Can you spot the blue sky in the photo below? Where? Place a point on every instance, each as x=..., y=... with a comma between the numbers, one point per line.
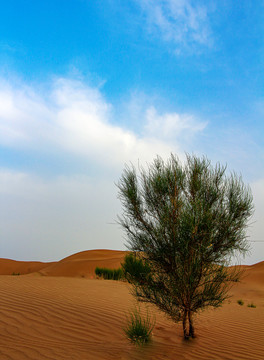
x=88, y=86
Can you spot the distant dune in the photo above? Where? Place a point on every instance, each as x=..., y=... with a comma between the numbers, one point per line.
x=82, y=264
x=9, y=267
x=60, y=311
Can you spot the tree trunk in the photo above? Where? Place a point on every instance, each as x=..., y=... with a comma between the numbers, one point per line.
x=191, y=327
x=184, y=325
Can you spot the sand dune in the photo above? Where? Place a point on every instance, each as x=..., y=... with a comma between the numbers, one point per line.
x=82, y=264
x=9, y=267
x=64, y=317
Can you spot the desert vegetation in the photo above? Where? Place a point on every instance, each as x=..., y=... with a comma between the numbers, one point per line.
x=183, y=223
x=109, y=274
x=138, y=329
x=251, y=305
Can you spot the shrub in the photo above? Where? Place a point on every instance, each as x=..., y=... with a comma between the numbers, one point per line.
x=109, y=274
x=134, y=268
x=98, y=271
x=181, y=220
x=118, y=274
x=251, y=305
x=240, y=302
x=15, y=274
x=138, y=329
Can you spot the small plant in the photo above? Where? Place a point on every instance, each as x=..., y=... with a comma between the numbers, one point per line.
x=251, y=305
x=240, y=302
x=15, y=274
x=109, y=274
x=138, y=329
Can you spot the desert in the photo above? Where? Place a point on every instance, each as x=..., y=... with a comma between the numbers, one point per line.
x=131, y=169
x=60, y=310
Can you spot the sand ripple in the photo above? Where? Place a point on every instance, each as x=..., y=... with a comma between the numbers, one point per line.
x=44, y=317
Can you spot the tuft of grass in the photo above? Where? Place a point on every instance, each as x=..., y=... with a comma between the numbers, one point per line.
x=251, y=305
x=138, y=330
x=15, y=274
x=240, y=302
x=109, y=274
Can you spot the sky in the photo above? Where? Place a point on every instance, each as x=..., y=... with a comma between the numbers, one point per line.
x=87, y=87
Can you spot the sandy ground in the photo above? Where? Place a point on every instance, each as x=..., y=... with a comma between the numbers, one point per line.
x=60, y=311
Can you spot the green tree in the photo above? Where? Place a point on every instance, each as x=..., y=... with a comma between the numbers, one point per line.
x=184, y=223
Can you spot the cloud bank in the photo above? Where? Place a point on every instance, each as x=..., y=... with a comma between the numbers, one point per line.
x=75, y=118
x=48, y=216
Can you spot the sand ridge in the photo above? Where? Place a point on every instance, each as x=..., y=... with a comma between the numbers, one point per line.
x=9, y=267
x=82, y=264
x=70, y=317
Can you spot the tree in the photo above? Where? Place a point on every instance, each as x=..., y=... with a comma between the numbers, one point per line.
x=184, y=223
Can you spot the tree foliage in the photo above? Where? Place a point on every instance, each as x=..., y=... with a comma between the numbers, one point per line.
x=183, y=223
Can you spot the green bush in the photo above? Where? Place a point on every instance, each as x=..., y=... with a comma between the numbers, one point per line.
x=109, y=274
x=138, y=329
x=251, y=305
x=15, y=274
x=135, y=268
x=240, y=302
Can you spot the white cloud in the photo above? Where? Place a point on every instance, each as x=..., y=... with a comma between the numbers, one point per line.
x=24, y=116
x=74, y=118
x=172, y=125
x=182, y=22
